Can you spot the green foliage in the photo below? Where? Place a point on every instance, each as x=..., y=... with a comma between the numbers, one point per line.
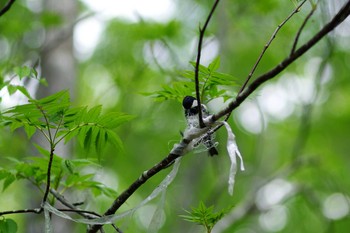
x=22, y=72
x=54, y=117
x=56, y=120
x=204, y=216
x=65, y=173
x=7, y=225
x=213, y=84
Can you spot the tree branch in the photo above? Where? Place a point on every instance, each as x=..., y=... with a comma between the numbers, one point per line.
x=342, y=14
x=48, y=181
x=196, y=70
x=273, y=36
x=24, y=211
x=314, y=7
x=177, y=152
x=6, y=7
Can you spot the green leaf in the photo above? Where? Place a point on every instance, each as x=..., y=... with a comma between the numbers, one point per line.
x=68, y=166
x=22, y=72
x=109, y=192
x=24, y=91
x=114, y=119
x=82, y=135
x=202, y=69
x=93, y=114
x=11, y=89
x=59, y=97
x=83, y=162
x=87, y=139
x=43, y=82
x=30, y=130
x=204, y=216
x=8, y=225
x=115, y=140
x=214, y=65
x=8, y=181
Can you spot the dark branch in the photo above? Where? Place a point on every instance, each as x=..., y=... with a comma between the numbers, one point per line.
x=6, y=7
x=337, y=19
x=48, y=181
x=24, y=211
x=121, y=199
x=196, y=70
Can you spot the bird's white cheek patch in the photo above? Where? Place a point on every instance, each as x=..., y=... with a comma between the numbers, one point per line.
x=194, y=104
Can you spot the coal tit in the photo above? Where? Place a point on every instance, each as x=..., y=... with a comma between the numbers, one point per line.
x=190, y=105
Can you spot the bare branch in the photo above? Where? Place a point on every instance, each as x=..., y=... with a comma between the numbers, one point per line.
x=342, y=14
x=48, y=180
x=314, y=7
x=196, y=70
x=6, y=7
x=24, y=211
x=273, y=36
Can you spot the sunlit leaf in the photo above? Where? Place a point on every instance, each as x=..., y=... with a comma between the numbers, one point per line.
x=8, y=181
x=30, y=130
x=215, y=64
x=22, y=72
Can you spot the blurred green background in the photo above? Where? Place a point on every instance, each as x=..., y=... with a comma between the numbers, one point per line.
x=293, y=132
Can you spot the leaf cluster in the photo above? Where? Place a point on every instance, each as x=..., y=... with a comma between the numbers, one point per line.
x=21, y=72
x=213, y=84
x=54, y=117
x=65, y=173
x=204, y=216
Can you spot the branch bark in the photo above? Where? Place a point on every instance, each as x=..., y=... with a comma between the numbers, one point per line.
x=6, y=7
x=342, y=14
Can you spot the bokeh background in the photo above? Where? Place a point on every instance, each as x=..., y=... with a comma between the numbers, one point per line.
x=293, y=132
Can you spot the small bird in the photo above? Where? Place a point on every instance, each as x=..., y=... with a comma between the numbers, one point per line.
x=191, y=107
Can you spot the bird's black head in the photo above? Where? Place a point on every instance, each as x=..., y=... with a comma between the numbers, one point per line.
x=187, y=102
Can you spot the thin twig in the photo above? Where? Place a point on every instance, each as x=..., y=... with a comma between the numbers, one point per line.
x=52, y=149
x=273, y=36
x=6, y=7
x=196, y=70
x=342, y=14
x=48, y=180
x=24, y=211
x=313, y=9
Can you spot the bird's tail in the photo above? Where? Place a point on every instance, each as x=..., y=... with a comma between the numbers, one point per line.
x=210, y=144
x=213, y=151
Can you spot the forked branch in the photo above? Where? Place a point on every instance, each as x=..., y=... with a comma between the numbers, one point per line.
x=342, y=14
